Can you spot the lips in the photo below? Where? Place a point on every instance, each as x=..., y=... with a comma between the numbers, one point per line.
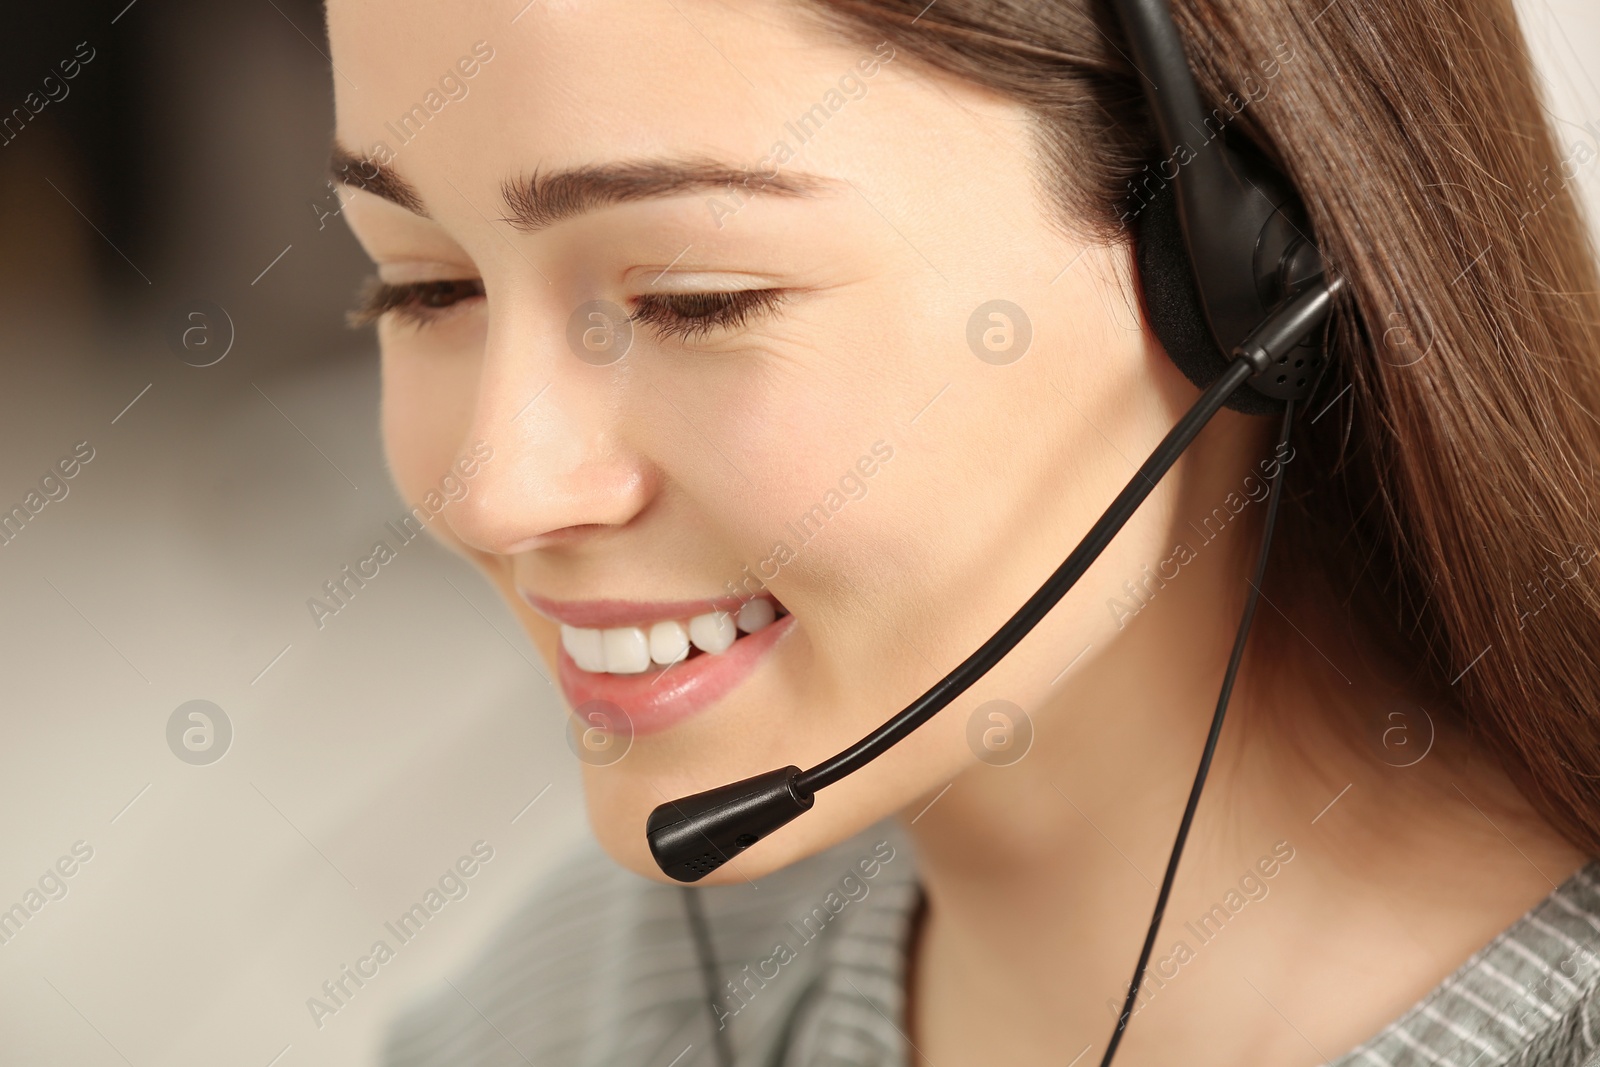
x=659, y=695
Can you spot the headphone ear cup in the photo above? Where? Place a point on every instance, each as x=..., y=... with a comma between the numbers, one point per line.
x=1172, y=302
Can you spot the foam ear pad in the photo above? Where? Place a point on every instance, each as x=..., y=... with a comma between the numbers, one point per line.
x=1172, y=302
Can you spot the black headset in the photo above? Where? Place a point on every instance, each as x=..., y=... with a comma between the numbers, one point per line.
x=1226, y=265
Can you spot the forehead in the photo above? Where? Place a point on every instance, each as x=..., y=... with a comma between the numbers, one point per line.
x=563, y=82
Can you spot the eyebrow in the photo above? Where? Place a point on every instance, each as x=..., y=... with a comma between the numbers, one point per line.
x=363, y=172
x=542, y=200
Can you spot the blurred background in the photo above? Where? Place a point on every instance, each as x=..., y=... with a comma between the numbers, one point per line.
x=172, y=289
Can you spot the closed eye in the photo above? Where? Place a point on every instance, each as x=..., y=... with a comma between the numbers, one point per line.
x=688, y=316
x=417, y=303
x=685, y=316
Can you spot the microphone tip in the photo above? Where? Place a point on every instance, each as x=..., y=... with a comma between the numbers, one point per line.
x=692, y=837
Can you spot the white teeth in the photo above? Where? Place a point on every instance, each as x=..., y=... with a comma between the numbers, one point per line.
x=756, y=615
x=712, y=632
x=669, y=643
x=633, y=649
x=585, y=648
x=627, y=651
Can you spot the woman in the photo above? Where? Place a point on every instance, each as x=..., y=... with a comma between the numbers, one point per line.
x=786, y=347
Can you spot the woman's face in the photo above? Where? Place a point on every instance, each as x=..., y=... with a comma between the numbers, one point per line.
x=819, y=408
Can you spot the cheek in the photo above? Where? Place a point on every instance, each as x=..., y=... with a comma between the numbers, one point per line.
x=771, y=462
x=428, y=400
x=778, y=430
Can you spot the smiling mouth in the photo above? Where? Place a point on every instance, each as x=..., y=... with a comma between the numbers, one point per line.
x=657, y=645
x=661, y=662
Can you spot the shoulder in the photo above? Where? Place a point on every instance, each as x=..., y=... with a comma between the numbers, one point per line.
x=554, y=952
x=600, y=965
x=1529, y=998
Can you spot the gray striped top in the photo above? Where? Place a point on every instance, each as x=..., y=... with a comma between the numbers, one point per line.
x=600, y=967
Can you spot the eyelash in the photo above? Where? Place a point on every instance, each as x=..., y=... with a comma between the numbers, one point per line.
x=689, y=316
x=686, y=316
x=415, y=303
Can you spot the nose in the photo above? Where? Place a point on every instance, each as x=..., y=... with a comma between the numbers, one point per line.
x=558, y=464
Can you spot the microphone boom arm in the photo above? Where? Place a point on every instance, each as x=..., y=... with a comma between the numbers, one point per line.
x=692, y=837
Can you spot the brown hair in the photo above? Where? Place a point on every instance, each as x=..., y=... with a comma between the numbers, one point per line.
x=1456, y=492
